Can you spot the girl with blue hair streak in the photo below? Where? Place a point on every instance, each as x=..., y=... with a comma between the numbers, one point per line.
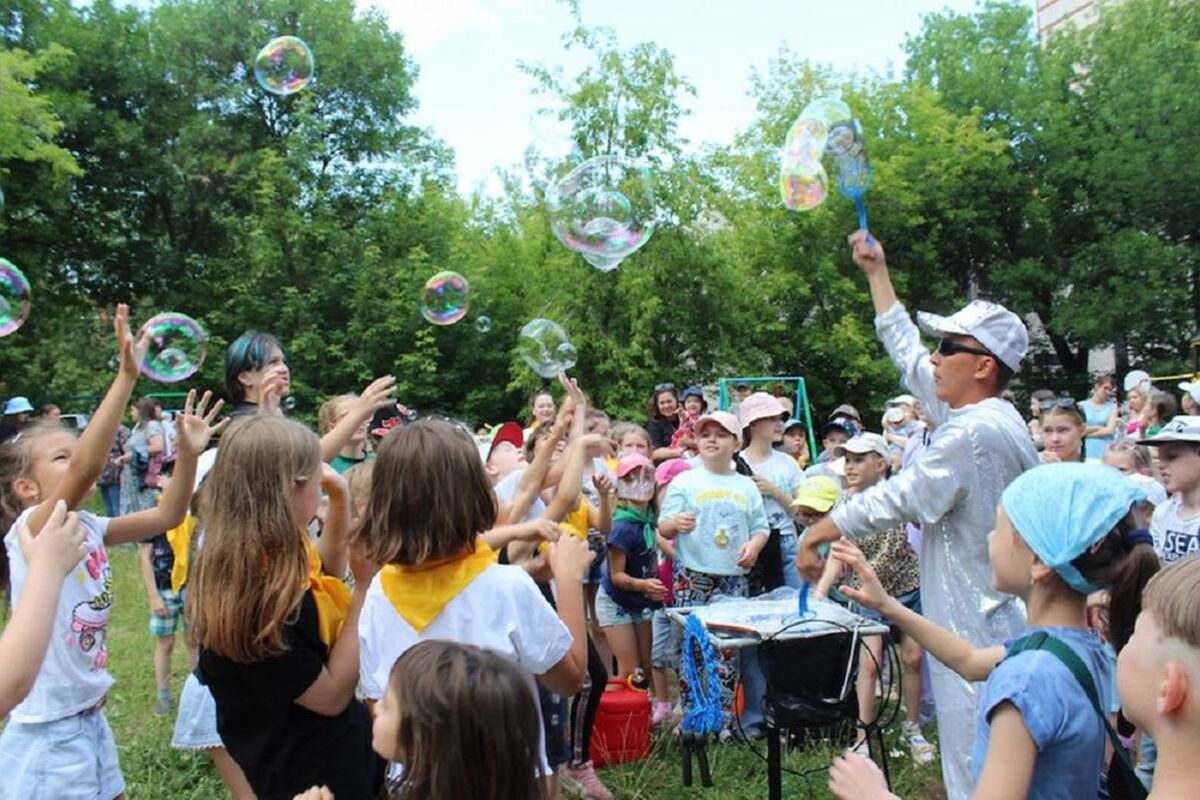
x=1062, y=532
x=256, y=373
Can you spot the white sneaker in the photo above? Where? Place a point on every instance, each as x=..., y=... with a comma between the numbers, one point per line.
x=923, y=751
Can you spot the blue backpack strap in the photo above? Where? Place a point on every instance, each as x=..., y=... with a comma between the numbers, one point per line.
x=1083, y=676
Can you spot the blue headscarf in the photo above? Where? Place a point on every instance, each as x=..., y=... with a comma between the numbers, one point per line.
x=1061, y=510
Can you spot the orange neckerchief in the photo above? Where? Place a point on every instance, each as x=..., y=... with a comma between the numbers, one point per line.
x=331, y=595
x=420, y=592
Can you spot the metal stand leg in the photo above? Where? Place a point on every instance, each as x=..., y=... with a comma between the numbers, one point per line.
x=774, y=763
x=702, y=752
x=685, y=748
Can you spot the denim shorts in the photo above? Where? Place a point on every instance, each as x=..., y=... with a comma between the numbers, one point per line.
x=664, y=642
x=74, y=758
x=196, y=721
x=166, y=626
x=610, y=613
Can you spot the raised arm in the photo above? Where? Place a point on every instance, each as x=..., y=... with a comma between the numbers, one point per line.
x=378, y=394
x=332, y=546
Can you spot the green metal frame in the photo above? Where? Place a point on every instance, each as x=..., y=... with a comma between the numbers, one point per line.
x=801, y=399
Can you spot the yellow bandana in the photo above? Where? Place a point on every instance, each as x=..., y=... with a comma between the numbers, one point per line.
x=180, y=539
x=577, y=521
x=419, y=593
x=331, y=595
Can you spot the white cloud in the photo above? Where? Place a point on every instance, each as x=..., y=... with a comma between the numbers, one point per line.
x=428, y=23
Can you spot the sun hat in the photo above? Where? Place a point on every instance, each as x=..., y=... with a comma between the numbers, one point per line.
x=18, y=405
x=509, y=432
x=846, y=410
x=631, y=461
x=1134, y=379
x=865, y=442
x=1179, y=429
x=723, y=418
x=694, y=391
x=1156, y=493
x=902, y=400
x=759, y=405
x=991, y=324
x=1062, y=510
x=1192, y=388
x=818, y=493
x=667, y=470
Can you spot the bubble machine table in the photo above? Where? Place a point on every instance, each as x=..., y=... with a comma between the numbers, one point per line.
x=810, y=655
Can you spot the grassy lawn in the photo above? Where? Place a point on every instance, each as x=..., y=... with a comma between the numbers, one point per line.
x=154, y=770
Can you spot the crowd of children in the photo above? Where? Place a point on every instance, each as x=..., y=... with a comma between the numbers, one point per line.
x=402, y=608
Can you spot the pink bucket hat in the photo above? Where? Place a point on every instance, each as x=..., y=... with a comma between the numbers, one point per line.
x=632, y=461
x=668, y=469
x=760, y=405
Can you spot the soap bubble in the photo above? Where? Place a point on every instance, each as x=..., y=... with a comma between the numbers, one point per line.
x=604, y=207
x=853, y=175
x=803, y=187
x=177, y=347
x=805, y=142
x=284, y=66
x=845, y=139
x=14, y=297
x=987, y=45
x=602, y=263
x=544, y=346
x=444, y=300
x=1, y=199
x=483, y=324
x=828, y=111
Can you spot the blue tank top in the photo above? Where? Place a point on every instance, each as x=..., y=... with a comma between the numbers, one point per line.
x=1095, y=416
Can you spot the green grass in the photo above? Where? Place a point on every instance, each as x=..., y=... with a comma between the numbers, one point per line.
x=153, y=769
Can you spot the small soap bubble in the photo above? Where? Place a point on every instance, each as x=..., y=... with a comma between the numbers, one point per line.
x=987, y=45
x=603, y=208
x=544, y=346
x=444, y=300
x=284, y=66
x=1, y=199
x=483, y=324
x=177, y=346
x=288, y=403
x=15, y=299
x=803, y=187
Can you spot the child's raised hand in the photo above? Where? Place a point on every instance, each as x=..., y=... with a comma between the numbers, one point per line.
x=274, y=385
x=332, y=482
x=604, y=486
x=856, y=777
x=194, y=428
x=59, y=546
x=362, y=568
x=871, y=594
x=539, y=530
x=379, y=393
x=653, y=588
x=686, y=522
x=132, y=352
x=570, y=559
x=600, y=442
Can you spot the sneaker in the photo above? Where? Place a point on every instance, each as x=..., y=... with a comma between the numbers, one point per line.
x=660, y=713
x=162, y=706
x=923, y=751
x=584, y=781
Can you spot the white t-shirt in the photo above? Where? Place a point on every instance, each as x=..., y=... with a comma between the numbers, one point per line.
x=783, y=471
x=506, y=489
x=1175, y=536
x=74, y=675
x=501, y=610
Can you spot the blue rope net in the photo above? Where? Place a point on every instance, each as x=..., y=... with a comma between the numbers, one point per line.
x=699, y=662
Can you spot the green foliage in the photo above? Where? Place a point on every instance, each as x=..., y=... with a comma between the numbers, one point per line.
x=141, y=163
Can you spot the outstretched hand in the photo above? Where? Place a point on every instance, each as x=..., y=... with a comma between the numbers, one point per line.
x=871, y=592
x=867, y=253
x=194, y=428
x=133, y=352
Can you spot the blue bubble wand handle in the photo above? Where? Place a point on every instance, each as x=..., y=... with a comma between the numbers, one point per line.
x=854, y=177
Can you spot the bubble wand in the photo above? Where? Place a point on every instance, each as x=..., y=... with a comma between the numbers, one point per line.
x=854, y=173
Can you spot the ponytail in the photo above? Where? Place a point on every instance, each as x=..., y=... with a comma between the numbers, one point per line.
x=1124, y=561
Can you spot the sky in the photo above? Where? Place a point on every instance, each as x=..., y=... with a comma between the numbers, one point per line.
x=473, y=97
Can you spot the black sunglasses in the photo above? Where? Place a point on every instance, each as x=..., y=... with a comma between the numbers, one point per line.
x=1056, y=402
x=949, y=347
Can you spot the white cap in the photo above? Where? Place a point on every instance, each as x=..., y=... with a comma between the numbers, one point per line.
x=892, y=416
x=1192, y=388
x=866, y=442
x=1135, y=379
x=991, y=324
x=1179, y=429
x=204, y=465
x=1156, y=493
x=902, y=400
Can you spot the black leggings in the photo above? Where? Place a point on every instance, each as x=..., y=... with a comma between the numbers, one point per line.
x=584, y=705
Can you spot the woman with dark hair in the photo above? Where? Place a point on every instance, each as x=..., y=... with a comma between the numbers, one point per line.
x=662, y=419
x=1100, y=414
x=256, y=373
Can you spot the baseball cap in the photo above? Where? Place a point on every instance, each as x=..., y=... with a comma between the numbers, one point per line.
x=1192, y=388
x=866, y=442
x=902, y=400
x=792, y=423
x=388, y=417
x=1135, y=378
x=759, y=405
x=1179, y=429
x=991, y=324
x=668, y=469
x=842, y=425
x=724, y=419
x=509, y=432
x=18, y=405
x=846, y=410
x=818, y=493
x=631, y=461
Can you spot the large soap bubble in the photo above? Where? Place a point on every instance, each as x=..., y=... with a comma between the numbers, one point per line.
x=828, y=111
x=603, y=210
x=444, y=300
x=15, y=298
x=544, y=346
x=825, y=126
x=177, y=346
x=284, y=66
